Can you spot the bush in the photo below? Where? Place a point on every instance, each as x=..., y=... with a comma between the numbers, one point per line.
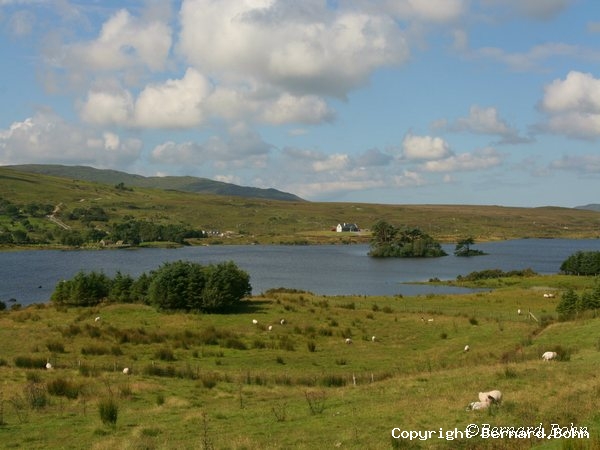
x=85, y=289
x=109, y=411
x=61, y=387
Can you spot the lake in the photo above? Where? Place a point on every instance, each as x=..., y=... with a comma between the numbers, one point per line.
x=30, y=276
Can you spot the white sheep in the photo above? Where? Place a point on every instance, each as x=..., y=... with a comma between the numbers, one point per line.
x=494, y=396
x=282, y=321
x=254, y=321
x=430, y=320
x=48, y=366
x=474, y=406
x=373, y=338
x=348, y=341
x=467, y=348
x=519, y=311
x=270, y=327
x=547, y=356
x=97, y=319
x=126, y=370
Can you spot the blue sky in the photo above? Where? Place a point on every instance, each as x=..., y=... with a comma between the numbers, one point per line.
x=492, y=102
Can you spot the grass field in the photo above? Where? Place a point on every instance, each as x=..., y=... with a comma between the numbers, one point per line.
x=223, y=382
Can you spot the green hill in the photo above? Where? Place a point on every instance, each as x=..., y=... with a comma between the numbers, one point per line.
x=183, y=183
x=27, y=199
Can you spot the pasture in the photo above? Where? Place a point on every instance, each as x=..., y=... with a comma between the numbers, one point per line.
x=224, y=382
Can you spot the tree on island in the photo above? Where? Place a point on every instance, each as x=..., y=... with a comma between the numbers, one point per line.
x=463, y=248
x=390, y=241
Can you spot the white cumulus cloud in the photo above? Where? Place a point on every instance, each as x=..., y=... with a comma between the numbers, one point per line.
x=424, y=147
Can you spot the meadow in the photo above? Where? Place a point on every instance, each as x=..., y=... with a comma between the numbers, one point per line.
x=224, y=382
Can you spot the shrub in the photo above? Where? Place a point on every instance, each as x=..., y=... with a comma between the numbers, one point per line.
x=109, y=411
x=30, y=362
x=55, y=346
x=312, y=346
x=61, y=387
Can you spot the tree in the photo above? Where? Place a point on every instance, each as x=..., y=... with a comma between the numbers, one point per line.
x=582, y=263
x=567, y=306
x=463, y=248
x=85, y=289
x=226, y=285
x=191, y=287
x=389, y=241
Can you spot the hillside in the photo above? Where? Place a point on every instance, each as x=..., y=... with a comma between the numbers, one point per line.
x=183, y=183
x=258, y=220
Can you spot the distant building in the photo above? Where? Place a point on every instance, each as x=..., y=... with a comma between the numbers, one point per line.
x=346, y=227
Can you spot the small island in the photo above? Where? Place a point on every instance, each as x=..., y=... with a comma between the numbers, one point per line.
x=463, y=248
x=390, y=241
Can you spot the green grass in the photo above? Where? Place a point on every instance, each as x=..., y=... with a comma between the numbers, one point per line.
x=220, y=381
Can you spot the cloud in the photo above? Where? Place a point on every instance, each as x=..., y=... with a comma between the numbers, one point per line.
x=124, y=41
x=304, y=48
x=288, y=108
x=485, y=121
x=435, y=11
x=532, y=9
x=424, y=147
x=535, y=57
x=21, y=23
x=579, y=164
x=479, y=160
x=46, y=137
x=174, y=103
x=242, y=147
x=573, y=106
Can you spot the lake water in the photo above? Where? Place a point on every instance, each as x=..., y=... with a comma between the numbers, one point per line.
x=30, y=276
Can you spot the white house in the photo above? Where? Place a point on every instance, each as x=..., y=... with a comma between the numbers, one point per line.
x=346, y=227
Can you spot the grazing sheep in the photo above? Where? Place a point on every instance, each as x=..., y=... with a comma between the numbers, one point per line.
x=547, y=356
x=467, y=348
x=282, y=321
x=254, y=321
x=474, y=406
x=430, y=320
x=126, y=370
x=519, y=311
x=548, y=295
x=270, y=327
x=97, y=319
x=348, y=341
x=373, y=338
x=494, y=396
x=48, y=366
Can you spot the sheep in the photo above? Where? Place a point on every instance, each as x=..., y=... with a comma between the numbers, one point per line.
x=254, y=321
x=547, y=356
x=282, y=321
x=373, y=338
x=494, y=396
x=48, y=365
x=467, y=348
x=348, y=341
x=548, y=295
x=474, y=406
x=126, y=370
x=270, y=327
x=97, y=319
x=519, y=311
x=430, y=320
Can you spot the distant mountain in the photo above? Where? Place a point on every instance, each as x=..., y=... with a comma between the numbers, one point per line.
x=181, y=183
x=590, y=207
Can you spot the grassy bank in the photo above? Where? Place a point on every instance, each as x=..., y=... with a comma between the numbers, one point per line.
x=221, y=381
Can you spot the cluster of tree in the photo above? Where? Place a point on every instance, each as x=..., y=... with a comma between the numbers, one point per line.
x=463, y=248
x=180, y=285
x=495, y=273
x=13, y=211
x=390, y=241
x=571, y=304
x=93, y=213
x=582, y=263
x=134, y=232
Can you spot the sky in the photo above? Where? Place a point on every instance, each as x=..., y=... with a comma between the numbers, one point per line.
x=481, y=102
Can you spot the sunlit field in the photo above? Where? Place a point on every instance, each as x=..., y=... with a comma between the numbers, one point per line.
x=225, y=382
